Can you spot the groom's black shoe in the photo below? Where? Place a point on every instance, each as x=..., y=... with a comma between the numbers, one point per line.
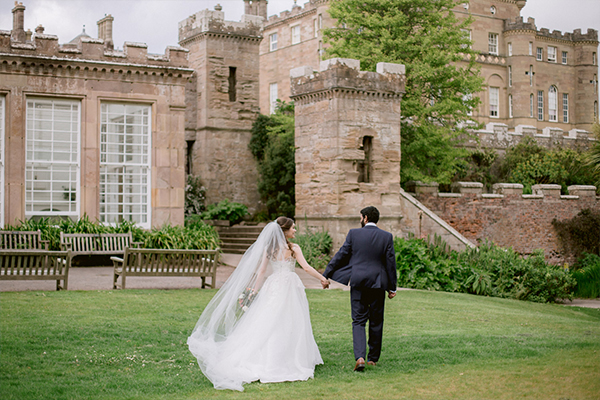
x=360, y=364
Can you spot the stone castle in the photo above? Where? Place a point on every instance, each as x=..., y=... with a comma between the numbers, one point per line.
x=87, y=129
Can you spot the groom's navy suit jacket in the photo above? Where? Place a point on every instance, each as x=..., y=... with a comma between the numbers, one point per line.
x=365, y=260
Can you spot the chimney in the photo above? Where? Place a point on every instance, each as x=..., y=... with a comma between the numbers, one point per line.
x=247, y=7
x=105, y=31
x=39, y=29
x=18, y=31
x=262, y=8
x=28, y=34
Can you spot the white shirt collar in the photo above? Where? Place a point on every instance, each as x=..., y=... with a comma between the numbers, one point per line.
x=370, y=224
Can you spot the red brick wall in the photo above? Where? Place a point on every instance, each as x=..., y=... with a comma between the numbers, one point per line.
x=525, y=224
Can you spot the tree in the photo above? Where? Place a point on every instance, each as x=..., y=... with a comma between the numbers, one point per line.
x=593, y=156
x=272, y=145
x=441, y=73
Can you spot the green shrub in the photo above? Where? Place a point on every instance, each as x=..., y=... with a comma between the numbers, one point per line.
x=421, y=265
x=588, y=277
x=195, y=195
x=512, y=276
x=580, y=234
x=488, y=270
x=315, y=247
x=199, y=236
x=272, y=145
x=226, y=211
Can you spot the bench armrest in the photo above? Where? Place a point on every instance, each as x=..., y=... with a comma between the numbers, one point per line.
x=116, y=261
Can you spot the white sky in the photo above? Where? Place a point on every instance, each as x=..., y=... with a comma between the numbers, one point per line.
x=155, y=22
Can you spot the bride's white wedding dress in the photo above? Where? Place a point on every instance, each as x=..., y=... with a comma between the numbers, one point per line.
x=271, y=342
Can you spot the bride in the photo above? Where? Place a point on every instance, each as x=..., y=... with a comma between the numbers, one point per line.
x=257, y=326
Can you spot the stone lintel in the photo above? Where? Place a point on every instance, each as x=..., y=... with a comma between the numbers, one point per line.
x=306, y=70
x=582, y=190
x=348, y=62
x=389, y=68
x=449, y=195
x=419, y=187
x=507, y=188
x=467, y=187
x=546, y=190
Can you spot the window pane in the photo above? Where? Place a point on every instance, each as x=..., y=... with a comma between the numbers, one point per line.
x=493, y=43
x=494, y=101
x=51, y=159
x=124, y=163
x=1, y=161
x=540, y=105
x=273, y=96
x=552, y=104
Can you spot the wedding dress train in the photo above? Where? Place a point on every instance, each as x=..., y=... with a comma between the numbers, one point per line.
x=271, y=342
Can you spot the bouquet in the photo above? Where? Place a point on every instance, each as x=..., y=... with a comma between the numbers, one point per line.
x=246, y=298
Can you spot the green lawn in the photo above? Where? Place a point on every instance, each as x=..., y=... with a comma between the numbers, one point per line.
x=132, y=345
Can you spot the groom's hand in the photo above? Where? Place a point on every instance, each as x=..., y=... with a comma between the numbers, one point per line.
x=325, y=284
x=391, y=295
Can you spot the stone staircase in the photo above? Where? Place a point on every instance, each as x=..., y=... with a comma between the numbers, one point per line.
x=236, y=239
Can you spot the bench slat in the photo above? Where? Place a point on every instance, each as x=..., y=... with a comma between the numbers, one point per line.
x=159, y=262
x=36, y=264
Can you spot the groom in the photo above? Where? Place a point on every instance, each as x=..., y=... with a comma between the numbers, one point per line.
x=367, y=262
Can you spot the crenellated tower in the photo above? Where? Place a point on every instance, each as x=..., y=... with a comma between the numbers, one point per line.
x=222, y=103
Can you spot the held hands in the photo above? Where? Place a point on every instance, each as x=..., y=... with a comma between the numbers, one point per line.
x=325, y=283
x=391, y=295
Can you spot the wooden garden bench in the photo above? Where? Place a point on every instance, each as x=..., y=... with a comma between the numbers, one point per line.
x=159, y=262
x=107, y=244
x=35, y=265
x=22, y=240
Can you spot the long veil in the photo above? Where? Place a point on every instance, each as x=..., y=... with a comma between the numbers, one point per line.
x=227, y=307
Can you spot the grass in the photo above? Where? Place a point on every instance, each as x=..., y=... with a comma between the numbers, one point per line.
x=132, y=345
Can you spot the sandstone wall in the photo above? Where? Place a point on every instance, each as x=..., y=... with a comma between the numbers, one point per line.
x=90, y=72
x=338, y=110
x=223, y=104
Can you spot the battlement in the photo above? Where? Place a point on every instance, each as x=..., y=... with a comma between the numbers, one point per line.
x=498, y=136
x=575, y=36
x=344, y=75
x=518, y=24
x=296, y=11
x=213, y=21
x=501, y=190
x=40, y=45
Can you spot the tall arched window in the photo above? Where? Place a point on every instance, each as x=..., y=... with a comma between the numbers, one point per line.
x=553, y=104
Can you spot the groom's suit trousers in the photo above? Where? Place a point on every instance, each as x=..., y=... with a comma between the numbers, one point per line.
x=367, y=305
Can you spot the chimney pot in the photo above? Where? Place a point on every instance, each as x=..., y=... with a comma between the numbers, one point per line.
x=18, y=31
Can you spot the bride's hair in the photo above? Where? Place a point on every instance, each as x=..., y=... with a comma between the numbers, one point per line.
x=286, y=224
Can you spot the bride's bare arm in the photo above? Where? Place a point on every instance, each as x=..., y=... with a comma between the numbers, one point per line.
x=261, y=272
x=304, y=264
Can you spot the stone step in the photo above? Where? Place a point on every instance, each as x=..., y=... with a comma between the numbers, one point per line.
x=236, y=239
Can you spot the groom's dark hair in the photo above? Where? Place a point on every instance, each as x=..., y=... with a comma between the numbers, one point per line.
x=371, y=213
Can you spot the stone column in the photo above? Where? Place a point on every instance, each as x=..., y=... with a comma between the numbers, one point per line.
x=347, y=144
